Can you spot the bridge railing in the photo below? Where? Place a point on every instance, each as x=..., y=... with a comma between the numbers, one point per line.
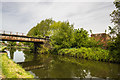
x=12, y=33
x=7, y=35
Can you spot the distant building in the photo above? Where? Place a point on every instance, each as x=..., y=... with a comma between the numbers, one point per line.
x=102, y=37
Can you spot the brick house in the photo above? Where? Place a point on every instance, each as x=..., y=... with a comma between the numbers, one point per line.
x=102, y=37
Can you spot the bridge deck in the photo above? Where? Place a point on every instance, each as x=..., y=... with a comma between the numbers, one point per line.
x=21, y=38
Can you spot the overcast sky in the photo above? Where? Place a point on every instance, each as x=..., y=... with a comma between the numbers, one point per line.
x=21, y=16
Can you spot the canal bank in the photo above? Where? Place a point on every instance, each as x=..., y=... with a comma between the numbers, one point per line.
x=10, y=69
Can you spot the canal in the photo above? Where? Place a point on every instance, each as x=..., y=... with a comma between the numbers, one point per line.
x=55, y=66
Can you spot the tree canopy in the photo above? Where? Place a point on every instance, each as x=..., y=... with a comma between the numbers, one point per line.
x=115, y=19
x=62, y=34
x=115, y=44
x=41, y=29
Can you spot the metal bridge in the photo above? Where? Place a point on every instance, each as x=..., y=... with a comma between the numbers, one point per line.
x=20, y=37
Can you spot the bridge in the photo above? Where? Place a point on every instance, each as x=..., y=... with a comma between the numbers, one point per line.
x=9, y=36
x=21, y=37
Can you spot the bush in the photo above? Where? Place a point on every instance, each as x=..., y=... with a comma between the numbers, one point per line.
x=87, y=53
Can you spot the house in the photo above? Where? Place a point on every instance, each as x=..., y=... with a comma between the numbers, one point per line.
x=102, y=37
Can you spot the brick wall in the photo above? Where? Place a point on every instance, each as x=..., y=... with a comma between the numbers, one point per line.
x=102, y=37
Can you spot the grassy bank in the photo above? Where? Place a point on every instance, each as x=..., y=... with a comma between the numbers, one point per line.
x=97, y=54
x=12, y=70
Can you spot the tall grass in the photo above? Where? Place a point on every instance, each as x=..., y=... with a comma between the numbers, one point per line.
x=12, y=70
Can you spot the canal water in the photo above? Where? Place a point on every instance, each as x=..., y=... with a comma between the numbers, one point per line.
x=55, y=66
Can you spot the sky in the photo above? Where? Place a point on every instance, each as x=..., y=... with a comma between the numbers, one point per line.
x=22, y=15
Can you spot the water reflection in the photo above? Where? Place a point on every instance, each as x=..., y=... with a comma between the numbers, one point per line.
x=12, y=50
x=54, y=66
x=16, y=55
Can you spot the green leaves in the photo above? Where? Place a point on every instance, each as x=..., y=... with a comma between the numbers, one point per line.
x=86, y=53
x=80, y=37
x=42, y=29
x=114, y=45
x=63, y=35
x=116, y=18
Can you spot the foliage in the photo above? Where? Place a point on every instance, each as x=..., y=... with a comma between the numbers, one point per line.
x=3, y=48
x=91, y=42
x=63, y=36
x=10, y=43
x=80, y=38
x=41, y=29
x=87, y=53
x=116, y=18
x=43, y=49
x=114, y=45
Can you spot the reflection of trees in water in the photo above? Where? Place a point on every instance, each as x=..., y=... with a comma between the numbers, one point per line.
x=93, y=68
x=66, y=67
x=28, y=55
x=12, y=50
x=62, y=67
x=33, y=61
x=19, y=49
x=55, y=68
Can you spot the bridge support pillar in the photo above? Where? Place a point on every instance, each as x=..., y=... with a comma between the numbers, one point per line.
x=35, y=47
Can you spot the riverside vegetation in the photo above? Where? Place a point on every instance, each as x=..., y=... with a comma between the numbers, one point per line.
x=97, y=54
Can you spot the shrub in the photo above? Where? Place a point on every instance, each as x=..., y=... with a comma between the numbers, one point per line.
x=87, y=53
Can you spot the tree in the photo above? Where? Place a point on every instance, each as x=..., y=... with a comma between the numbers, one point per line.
x=63, y=36
x=112, y=31
x=116, y=18
x=114, y=46
x=42, y=29
x=11, y=44
x=80, y=37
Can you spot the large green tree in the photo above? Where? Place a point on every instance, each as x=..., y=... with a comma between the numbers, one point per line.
x=42, y=29
x=115, y=19
x=63, y=36
x=115, y=44
x=80, y=37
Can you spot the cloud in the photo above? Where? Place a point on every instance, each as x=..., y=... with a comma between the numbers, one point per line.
x=22, y=16
x=95, y=17
x=0, y=15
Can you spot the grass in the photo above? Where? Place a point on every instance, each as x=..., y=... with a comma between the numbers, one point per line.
x=12, y=70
